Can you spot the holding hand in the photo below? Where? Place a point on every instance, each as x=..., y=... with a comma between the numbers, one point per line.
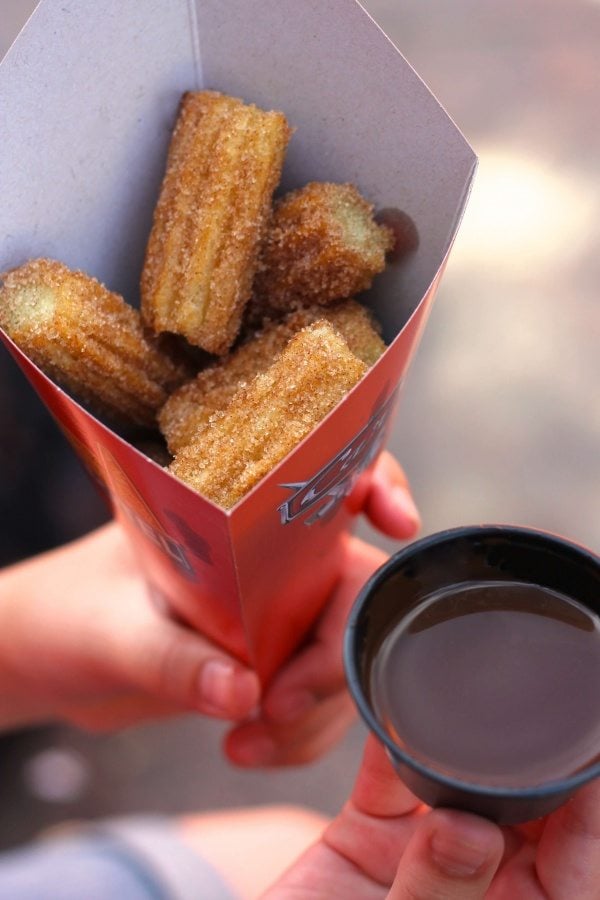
x=80, y=641
x=386, y=844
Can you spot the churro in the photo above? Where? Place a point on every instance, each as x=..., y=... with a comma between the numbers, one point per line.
x=88, y=339
x=322, y=245
x=357, y=326
x=189, y=409
x=264, y=421
x=223, y=165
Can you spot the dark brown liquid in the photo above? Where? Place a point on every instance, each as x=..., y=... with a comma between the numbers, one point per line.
x=496, y=683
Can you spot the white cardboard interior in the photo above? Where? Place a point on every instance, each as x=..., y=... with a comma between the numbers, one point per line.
x=89, y=94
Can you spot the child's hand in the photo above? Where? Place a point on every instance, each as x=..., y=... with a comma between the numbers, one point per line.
x=81, y=641
x=385, y=843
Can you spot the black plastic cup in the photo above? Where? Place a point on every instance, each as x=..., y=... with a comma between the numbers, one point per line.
x=475, y=553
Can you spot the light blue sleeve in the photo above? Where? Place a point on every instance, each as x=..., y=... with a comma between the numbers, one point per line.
x=127, y=859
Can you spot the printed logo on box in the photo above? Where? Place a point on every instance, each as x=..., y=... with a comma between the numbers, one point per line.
x=322, y=494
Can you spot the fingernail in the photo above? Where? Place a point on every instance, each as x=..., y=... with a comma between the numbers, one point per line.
x=228, y=690
x=461, y=851
x=215, y=683
x=259, y=751
x=245, y=697
x=289, y=707
x=402, y=498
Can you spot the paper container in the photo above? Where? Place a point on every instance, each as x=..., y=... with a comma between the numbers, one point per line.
x=88, y=96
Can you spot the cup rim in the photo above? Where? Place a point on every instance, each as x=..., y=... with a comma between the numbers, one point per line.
x=546, y=789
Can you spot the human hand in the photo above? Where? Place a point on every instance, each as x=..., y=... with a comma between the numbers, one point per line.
x=307, y=709
x=386, y=844
x=81, y=641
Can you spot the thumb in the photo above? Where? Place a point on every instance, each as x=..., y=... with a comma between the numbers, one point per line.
x=177, y=666
x=453, y=855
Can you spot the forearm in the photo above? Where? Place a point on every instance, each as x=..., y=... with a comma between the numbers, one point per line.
x=21, y=703
x=46, y=627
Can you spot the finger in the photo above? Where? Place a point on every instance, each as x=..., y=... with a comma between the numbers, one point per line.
x=317, y=671
x=177, y=666
x=378, y=790
x=262, y=743
x=118, y=712
x=451, y=854
x=568, y=859
x=389, y=504
x=378, y=821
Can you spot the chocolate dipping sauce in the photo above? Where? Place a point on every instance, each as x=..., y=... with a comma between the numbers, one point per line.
x=493, y=682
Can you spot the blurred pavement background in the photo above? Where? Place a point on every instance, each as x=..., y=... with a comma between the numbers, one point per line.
x=500, y=416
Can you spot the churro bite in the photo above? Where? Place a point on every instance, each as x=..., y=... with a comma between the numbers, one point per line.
x=322, y=245
x=358, y=327
x=88, y=339
x=216, y=241
x=265, y=420
x=223, y=165
x=188, y=410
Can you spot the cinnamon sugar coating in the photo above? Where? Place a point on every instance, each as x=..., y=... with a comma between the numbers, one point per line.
x=265, y=420
x=322, y=245
x=88, y=339
x=189, y=409
x=223, y=165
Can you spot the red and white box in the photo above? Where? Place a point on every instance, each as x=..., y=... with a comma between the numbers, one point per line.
x=88, y=97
